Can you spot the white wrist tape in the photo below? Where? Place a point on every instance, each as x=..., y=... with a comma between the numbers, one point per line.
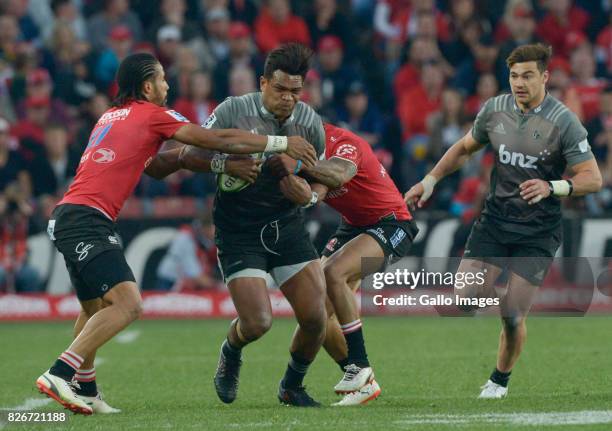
x=561, y=188
x=276, y=144
x=217, y=164
x=314, y=198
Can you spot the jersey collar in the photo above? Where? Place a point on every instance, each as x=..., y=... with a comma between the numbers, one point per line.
x=535, y=110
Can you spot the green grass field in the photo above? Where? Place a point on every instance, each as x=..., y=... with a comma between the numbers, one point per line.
x=430, y=370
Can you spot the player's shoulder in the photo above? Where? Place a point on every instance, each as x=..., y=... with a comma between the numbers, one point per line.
x=339, y=139
x=305, y=116
x=558, y=113
x=500, y=103
x=245, y=105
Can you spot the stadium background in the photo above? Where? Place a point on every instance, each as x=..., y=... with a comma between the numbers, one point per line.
x=407, y=75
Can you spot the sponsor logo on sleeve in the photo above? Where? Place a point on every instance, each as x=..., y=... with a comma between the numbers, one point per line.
x=583, y=146
x=177, y=116
x=347, y=151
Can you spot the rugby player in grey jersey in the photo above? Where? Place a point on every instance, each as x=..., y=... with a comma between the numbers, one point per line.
x=260, y=232
x=535, y=138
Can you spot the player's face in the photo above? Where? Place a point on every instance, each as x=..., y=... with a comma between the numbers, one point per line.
x=528, y=84
x=281, y=93
x=158, y=93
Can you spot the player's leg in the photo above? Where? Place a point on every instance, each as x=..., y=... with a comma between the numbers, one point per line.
x=341, y=269
x=250, y=296
x=480, y=270
x=304, y=287
x=87, y=388
x=515, y=306
x=106, y=275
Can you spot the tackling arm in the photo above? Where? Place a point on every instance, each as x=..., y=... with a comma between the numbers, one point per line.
x=235, y=141
x=331, y=173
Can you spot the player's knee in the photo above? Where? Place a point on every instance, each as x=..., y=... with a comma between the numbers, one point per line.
x=254, y=328
x=314, y=322
x=134, y=310
x=513, y=324
x=335, y=281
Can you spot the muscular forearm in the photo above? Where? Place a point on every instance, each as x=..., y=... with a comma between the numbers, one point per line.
x=164, y=164
x=325, y=172
x=586, y=182
x=197, y=159
x=229, y=141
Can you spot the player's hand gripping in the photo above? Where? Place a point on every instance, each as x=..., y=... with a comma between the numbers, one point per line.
x=246, y=168
x=300, y=149
x=420, y=192
x=533, y=191
x=296, y=189
x=282, y=165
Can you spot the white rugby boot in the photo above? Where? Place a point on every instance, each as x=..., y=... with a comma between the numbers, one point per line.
x=354, y=379
x=367, y=393
x=98, y=404
x=62, y=391
x=491, y=390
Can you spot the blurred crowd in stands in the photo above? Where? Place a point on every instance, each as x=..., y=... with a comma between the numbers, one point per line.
x=408, y=76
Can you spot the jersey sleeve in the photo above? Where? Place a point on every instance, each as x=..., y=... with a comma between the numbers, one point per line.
x=222, y=116
x=317, y=139
x=165, y=122
x=574, y=143
x=346, y=149
x=479, y=129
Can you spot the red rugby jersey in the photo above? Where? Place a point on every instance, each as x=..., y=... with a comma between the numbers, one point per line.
x=371, y=194
x=121, y=145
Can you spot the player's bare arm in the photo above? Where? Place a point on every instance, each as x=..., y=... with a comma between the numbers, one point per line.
x=453, y=159
x=298, y=191
x=200, y=160
x=332, y=173
x=585, y=179
x=235, y=141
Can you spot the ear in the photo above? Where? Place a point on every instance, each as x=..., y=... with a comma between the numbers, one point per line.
x=262, y=83
x=546, y=76
x=147, y=87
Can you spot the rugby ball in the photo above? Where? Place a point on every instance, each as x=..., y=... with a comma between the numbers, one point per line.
x=228, y=184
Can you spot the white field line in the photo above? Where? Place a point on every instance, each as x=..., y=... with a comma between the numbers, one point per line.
x=29, y=404
x=584, y=417
x=127, y=337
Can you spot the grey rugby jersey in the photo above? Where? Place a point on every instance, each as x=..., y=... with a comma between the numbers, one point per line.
x=261, y=202
x=537, y=144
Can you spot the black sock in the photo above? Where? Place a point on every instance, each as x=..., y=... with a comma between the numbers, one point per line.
x=500, y=378
x=63, y=370
x=296, y=370
x=342, y=363
x=356, y=349
x=89, y=389
x=229, y=351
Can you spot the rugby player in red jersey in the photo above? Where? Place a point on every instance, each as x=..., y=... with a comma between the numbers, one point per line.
x=376, y=223
x=124, y=143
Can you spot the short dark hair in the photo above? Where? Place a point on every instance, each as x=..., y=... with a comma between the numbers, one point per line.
x=133, y=71
x=291, y=58
x=535, y=52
